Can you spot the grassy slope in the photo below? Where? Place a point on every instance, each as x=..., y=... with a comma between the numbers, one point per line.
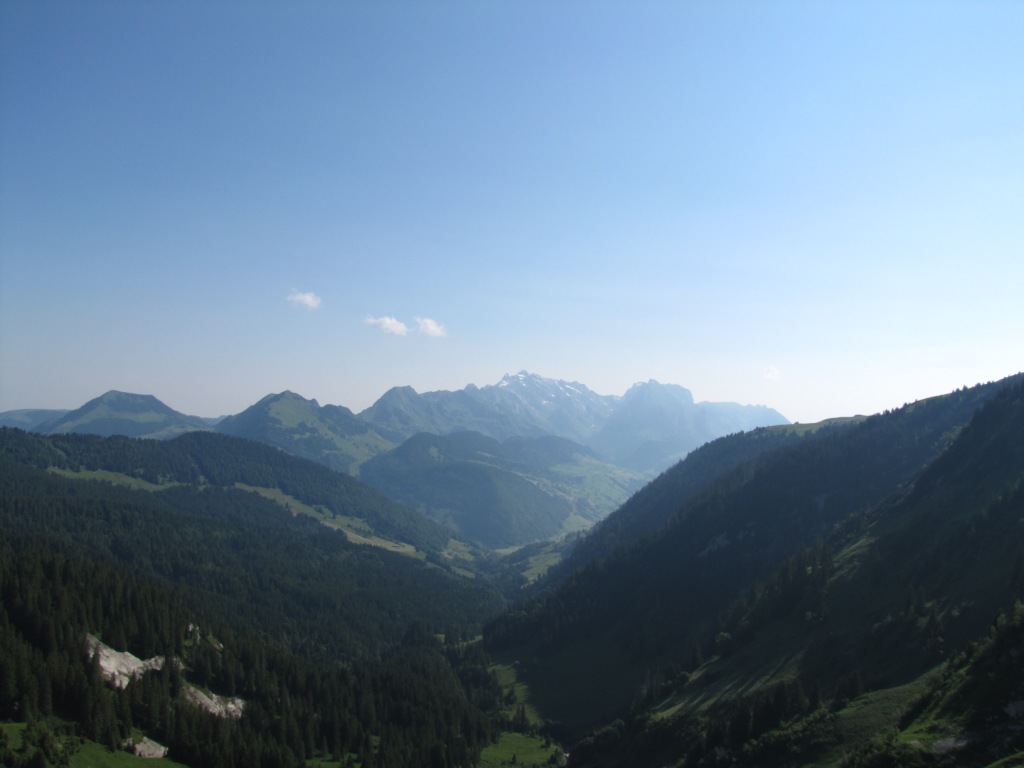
x=93, y=755
x=501, y=494
x=292, y=413
x=518, y=748
x=357, y=531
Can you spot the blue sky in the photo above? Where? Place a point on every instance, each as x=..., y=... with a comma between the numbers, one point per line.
x=814, y=206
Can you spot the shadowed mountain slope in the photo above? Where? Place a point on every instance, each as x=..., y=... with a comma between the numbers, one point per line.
x=501, y=494
x=685, y=591
x=651, y=507
x=893, y=641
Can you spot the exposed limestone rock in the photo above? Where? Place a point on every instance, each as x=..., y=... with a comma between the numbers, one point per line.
x=149, y=749
x=221, y=706
x=121, y=667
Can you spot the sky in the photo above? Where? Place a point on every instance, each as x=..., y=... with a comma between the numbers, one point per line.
x=813, y=206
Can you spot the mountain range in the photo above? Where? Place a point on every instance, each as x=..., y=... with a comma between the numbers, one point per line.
x=847, y=594
x=524, y=460
x=647, y=429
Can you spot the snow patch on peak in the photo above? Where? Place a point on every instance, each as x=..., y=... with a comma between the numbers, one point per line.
x=517, y=378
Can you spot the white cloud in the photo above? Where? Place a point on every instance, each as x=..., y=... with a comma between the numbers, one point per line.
x=308, y=300
x=431, y=327
x=771, y=373
x=388, y=325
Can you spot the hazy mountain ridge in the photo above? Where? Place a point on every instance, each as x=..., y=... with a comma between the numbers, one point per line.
x=485, y=497
x=646, y=429
x=566, y=408
x=656, y=424
x=525, y=405
x=30, y=419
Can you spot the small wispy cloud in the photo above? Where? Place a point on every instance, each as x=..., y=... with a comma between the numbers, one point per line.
x=431, y=327
x=309, y=300
x=771, y=373
x=388, y=325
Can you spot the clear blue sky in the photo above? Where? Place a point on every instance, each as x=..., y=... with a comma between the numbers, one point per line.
x=818, y=206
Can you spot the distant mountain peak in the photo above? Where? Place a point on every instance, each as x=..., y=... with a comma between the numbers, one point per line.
x=330, y=434
x=289, y=396
x=525, y=379
x=125, y=413
x=131, y=401
x=403, y=390
x=515, y=378
x=655, y=389
x=647, y=429
x=117, y=396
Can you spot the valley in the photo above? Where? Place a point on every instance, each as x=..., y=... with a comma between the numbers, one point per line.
x=840, y=594
x=452, y=384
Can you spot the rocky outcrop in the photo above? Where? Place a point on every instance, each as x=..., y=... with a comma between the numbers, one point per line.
x=121, y=667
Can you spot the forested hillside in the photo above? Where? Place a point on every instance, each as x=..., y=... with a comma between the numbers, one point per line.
x=780, y=601
x=205, y=459
x=408, y=708
x=501, y=494
x=660, y=500
x=333, y=646
x=286, y=578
